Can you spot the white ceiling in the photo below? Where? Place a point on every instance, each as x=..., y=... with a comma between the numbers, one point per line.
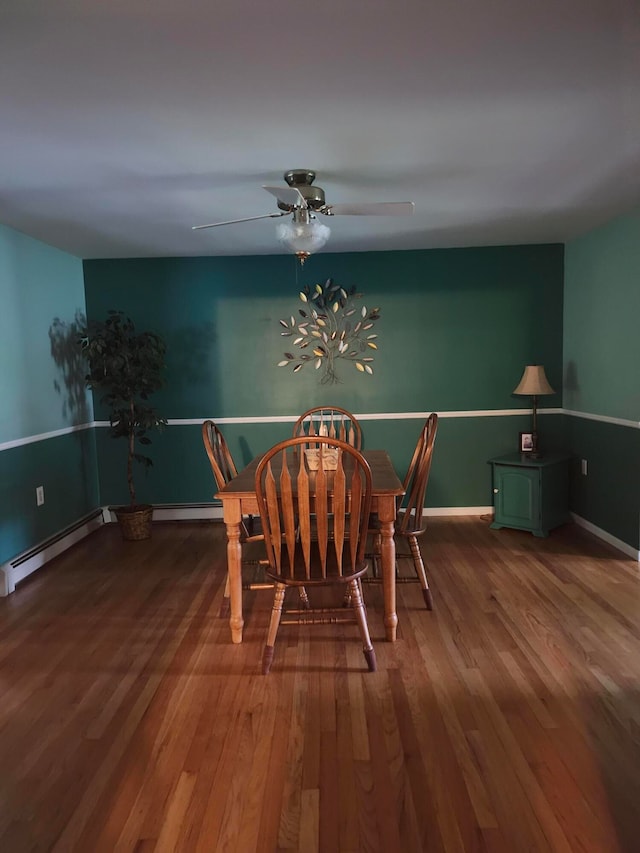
x=125, y=122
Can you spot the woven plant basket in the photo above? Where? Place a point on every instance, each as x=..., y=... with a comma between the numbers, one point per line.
x=135, y=521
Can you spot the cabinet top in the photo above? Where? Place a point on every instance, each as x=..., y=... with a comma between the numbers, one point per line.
x=525, y=461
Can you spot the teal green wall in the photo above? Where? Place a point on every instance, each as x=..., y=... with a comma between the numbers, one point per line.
x=609, y=496
x=65, y=466
x=41, y=292
x=37, y=284
x=602, y=311
x=457, y=328
x=601, y=370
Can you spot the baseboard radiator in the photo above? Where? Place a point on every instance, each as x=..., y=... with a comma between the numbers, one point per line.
x=177, y=512
x=20, y=567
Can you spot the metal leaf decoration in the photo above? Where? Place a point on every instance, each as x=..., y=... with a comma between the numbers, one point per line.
x=336, y=326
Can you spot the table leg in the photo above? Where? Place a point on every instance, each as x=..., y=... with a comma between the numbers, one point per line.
x=388, y=560
x=234, y=567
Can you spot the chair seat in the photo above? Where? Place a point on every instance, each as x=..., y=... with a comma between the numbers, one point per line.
x=403, y=526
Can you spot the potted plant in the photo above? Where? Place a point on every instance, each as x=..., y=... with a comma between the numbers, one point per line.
x=127, y=366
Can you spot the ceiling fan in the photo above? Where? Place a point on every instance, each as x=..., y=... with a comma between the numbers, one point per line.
x=302, y=201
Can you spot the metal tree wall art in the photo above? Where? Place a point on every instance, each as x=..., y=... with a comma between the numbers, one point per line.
x=333, y=325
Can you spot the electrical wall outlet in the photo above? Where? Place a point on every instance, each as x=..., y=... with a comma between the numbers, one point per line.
x=39, y=495
x=583, y=467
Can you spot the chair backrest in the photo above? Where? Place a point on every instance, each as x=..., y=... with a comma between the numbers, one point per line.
x=409, y=519
x=331, y=421
x=314, y=522
x=222, y=464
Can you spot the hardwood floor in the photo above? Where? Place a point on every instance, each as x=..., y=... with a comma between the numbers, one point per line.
x=508, y=719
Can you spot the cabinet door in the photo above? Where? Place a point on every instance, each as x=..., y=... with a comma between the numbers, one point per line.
x=517, y=499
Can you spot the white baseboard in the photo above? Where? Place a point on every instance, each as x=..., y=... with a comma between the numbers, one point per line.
x=204, y=512
x=458, y=510
x=607, y=537
x=21, y=566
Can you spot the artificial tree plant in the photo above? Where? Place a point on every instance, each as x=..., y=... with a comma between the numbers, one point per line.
x=126, y=366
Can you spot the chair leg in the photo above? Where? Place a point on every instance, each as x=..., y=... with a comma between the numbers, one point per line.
x=225, y=604
x=375, y=557
x=361, y=618
x=422, y=575
x=304, y=598
x=276, y=615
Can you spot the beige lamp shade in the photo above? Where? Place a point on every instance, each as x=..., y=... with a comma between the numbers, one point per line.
x=534, y=382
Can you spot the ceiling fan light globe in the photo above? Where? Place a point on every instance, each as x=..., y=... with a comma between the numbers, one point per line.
x=305, y=237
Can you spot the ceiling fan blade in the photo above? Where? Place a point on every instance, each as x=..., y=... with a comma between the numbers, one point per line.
x=381, y=208
x=246, y=219
x=287, y=195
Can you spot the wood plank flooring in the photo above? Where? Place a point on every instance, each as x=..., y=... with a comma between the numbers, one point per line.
x=506, y=720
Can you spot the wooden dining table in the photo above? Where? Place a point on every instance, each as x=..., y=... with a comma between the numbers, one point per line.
x=239, y=499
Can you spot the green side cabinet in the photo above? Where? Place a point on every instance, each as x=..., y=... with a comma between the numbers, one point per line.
x=530, y=494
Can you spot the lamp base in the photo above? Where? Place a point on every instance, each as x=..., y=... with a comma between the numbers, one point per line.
x=535, y=451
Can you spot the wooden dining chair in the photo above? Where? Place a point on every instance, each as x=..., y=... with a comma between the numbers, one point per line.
x=409, y=520
x=224, y=470
x=331, y=421
x=336, y=504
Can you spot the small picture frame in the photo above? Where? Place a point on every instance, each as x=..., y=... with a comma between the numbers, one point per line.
x=526, y=442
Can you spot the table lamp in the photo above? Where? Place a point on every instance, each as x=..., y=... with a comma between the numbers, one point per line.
x=534, y=384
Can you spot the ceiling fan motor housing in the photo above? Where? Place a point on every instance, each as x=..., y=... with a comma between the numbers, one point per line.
x=302, y=179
